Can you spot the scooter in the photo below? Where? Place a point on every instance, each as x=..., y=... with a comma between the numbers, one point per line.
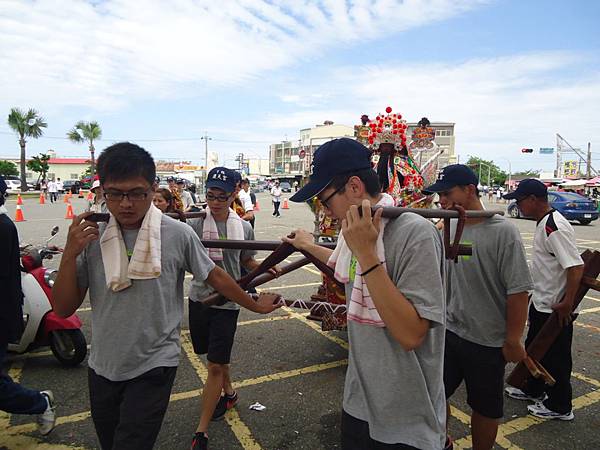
x=42, y=326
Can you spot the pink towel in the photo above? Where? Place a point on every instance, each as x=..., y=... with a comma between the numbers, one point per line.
x=235, y=230
x=361, y=308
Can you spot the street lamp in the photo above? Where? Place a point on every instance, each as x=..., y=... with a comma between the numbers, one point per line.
x=205, y=138
x=509, y=170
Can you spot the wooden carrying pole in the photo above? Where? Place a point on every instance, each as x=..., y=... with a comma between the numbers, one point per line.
x=552, y=328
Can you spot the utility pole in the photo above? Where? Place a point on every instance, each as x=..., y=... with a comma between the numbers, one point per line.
x=589, y=162
x=206, y=138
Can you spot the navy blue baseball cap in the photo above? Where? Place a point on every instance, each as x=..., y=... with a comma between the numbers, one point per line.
x=222, y=178
x=453, y=175
x=336, y=157
x=527, y=187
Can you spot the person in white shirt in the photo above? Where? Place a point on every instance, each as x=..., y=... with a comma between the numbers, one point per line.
x=276, y=197
x=556, y=269
x=60, y=187
x=246, y=200
x=186, y=197
x=53, y=191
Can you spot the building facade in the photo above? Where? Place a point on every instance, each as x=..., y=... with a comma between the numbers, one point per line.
x=444, y=138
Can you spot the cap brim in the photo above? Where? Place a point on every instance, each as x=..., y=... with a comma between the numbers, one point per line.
x=438, y=186
x=513, y=196
x=309, y=190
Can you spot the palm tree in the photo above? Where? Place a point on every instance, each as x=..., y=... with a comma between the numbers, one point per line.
x=86, y=131
x=25, y=125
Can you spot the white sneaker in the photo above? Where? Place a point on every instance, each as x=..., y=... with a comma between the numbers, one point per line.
x=47, y=420
x=518, y=394
x=540, y=410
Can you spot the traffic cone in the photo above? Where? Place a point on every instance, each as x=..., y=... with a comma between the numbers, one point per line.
x=66, y=198
x=80, y=193
x=285, y=204
x=70, y=214
x=90, y=196
x=19, y=214
x=19, y=199
x=42, y=199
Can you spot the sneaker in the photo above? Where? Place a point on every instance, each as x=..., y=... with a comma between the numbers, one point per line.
x=199, y=442
x=518, y=394
x=226, y=402
x=47, y=420
x=540, y=410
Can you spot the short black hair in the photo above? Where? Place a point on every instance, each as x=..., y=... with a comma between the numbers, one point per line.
x=125, y=160
x=367, y=176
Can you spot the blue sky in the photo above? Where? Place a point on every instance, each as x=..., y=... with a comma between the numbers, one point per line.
x=511, y=74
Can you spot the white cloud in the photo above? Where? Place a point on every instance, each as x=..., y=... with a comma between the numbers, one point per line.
x=103, y=55
x=499, y=105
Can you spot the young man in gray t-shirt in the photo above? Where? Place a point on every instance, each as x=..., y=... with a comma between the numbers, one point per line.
x=393, y=273
x=487, y=305
x=137, y=310
x=212, y=329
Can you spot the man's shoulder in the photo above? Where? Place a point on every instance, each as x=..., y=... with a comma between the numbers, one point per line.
x=174, y=227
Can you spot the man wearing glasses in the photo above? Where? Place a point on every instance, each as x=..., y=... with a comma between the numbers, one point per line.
x=134, y=267
x=212, y=329
x=392, y=271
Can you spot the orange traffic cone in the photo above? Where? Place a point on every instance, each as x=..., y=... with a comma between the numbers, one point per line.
x=285, y=204
x=42, y=199
x=80, y=193
x=19, y=199
x=70, y=214
x=19, y=214
x=256, y=208
x=90, y=196
x=66, y=198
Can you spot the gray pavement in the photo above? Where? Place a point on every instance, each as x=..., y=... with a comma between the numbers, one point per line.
x=286, y=363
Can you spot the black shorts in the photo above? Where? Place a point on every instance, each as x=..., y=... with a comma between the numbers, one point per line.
x=212, y=331
x=482, y=368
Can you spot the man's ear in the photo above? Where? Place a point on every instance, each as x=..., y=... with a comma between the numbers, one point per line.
x=356, y=186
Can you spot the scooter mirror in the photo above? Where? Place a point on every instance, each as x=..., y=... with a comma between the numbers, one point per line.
x=54, y=230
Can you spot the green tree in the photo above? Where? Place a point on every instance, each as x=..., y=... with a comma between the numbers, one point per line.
x=482, y=167
x=26, y=125
x=8, y=168
x=527, y=173
x=86, y=131
x=39, y=164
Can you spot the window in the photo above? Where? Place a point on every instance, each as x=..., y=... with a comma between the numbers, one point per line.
x=74, y=176
x=442, y=133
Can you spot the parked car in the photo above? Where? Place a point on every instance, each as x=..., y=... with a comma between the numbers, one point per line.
x=72, y=186
x=572, y=206
x=13, y=186
x=285, y=186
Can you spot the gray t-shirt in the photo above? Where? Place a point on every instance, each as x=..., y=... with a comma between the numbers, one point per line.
x=137, y=329
x=230, y=264
x=478, y=285
x=399, y=393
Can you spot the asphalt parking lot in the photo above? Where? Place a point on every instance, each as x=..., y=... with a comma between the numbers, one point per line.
x=289, y=365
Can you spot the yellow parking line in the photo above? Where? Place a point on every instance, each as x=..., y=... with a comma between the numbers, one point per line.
x=241, y=431
x=289, y=286
x=589, y=310
x=290, y=373
x=268, y=319
x=587, y=379
x=460, y=415
x=524, y=423
x=585, y=325
x=342, y=343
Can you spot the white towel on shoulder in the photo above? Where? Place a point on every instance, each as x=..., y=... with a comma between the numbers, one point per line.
x=361, y=308
x=145, y=263
x=235, y=231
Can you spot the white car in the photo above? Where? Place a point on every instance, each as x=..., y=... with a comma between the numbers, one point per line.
x=14, y=186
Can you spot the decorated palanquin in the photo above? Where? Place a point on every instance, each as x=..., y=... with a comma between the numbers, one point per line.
x=393, y=160
x=399, y=175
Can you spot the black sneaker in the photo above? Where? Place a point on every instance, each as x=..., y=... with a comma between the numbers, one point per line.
x=199, y=442
x=226, y=402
